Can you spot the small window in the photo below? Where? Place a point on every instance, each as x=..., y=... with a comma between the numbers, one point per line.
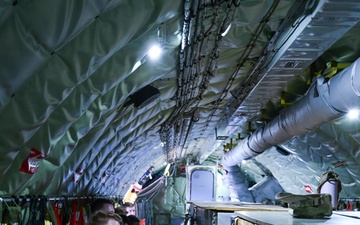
x=202, y=185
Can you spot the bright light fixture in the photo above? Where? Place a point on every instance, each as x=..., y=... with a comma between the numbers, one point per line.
x=226, y=31
x=154, y=52
x=136, y=66
x=353, y=114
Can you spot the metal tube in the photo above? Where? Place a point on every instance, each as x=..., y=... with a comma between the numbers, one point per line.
x=324, y=102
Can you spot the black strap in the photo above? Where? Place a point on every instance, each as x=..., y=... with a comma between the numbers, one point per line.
x=65, y=212
x=42, y=208
x=25, y=208
x=33, y=210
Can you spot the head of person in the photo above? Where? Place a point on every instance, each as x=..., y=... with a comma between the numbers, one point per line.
x=105, y=218
x=102, y=204
x=120, y=210
x=130, y=209
x=125, y=219
x=133, y=220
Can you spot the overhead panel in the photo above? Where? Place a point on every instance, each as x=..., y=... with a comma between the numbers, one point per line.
x=307, y=39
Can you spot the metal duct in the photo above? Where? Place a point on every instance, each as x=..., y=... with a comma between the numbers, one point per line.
x=300, y=40
x=235, y=180
x=324, y=102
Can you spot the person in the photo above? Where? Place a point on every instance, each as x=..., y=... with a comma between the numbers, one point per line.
x=105, y=218
x=120, y=210
x=125, y=219
x=122, y=213
x=102, y=204
x=130, y=209
x=133, y=220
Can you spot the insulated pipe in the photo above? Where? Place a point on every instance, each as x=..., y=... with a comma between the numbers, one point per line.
x=323, y=102
x=235, y=180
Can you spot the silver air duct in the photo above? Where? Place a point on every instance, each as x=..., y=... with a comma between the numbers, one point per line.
x=324, y=102
x=308, y=30
x=235, y=180
x=311, y=35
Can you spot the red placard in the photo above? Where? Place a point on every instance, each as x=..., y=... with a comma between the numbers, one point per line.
x=32, y=162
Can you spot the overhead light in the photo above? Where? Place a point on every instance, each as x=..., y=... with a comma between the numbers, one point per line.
x=136, y=66
x=154, y=52
x=353, y=114
x=226, y=31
